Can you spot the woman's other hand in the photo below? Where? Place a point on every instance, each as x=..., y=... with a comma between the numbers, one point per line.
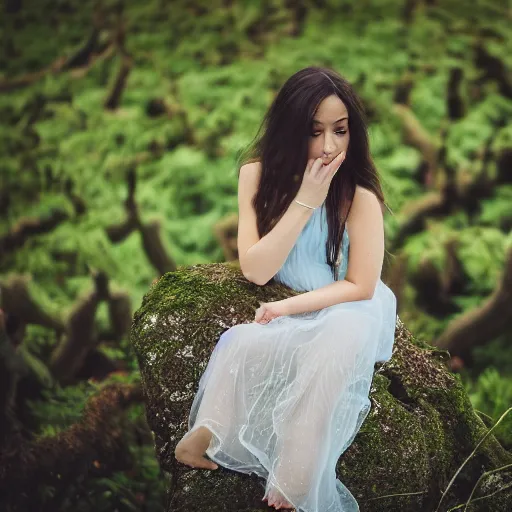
x=270, y=310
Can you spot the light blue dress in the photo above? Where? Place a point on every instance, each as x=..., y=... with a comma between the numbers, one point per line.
x=285, y=399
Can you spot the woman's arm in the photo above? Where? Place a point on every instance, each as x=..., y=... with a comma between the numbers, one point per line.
x=365, y=226
x=260, y=259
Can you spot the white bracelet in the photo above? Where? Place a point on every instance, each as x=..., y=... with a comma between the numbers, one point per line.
x=307, y=206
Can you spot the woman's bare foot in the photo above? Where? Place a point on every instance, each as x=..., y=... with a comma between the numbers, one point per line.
x=275, y=499
x=284, y=506
x=190, y=451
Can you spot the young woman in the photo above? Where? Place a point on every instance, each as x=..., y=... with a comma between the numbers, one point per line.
x=284, y=395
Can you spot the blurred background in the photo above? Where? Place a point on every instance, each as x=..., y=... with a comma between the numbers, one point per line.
x=120, y=123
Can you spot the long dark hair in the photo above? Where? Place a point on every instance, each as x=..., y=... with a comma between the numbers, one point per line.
x=281, y=145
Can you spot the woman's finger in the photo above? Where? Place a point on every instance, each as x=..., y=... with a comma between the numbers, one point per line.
x=341, y=159
x=334, y=165
x=317, y=166
x=310, y=164
x=258, y=315
x=327, y=171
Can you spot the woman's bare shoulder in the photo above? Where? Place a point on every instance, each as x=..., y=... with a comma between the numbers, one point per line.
x=253, y=165
x=364, y=203
x=250, y=172
x=365, y=196
x=362, y=190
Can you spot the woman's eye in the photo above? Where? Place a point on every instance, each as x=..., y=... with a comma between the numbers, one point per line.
x=340, y=132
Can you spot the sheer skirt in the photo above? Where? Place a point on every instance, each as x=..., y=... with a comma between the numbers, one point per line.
x=285, y=399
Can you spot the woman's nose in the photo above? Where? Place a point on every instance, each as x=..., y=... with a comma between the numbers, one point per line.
x=329, y=145
x=329, y=151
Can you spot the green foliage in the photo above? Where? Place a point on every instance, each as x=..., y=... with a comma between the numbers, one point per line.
x=60, y=407
x=468, y=137
x=497, y=210
x=491, y=394
x=37, y=367
x=419, y=321
x=496, y=354
x=482, y=251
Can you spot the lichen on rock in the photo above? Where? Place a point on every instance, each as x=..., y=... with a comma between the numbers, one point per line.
x=420, y=428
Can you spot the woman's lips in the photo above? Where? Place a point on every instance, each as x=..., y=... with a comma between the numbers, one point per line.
x=327, y=162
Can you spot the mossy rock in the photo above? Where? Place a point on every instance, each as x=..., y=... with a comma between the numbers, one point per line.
x=420, y=429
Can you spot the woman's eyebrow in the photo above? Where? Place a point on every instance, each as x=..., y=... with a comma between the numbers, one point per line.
x=340, y=119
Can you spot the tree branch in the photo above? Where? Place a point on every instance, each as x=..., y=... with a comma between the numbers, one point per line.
x=478, y=326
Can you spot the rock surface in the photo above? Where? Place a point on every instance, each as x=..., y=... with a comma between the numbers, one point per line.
x=420, y=429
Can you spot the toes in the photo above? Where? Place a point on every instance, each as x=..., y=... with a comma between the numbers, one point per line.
x=280, y=502
x=194, y=461
x=204, y=463
x=179, y=457
x=274, y=499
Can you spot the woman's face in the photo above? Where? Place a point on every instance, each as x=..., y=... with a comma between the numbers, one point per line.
x=329, y=133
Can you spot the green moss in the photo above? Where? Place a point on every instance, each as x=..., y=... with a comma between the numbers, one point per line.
x=389, y=425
